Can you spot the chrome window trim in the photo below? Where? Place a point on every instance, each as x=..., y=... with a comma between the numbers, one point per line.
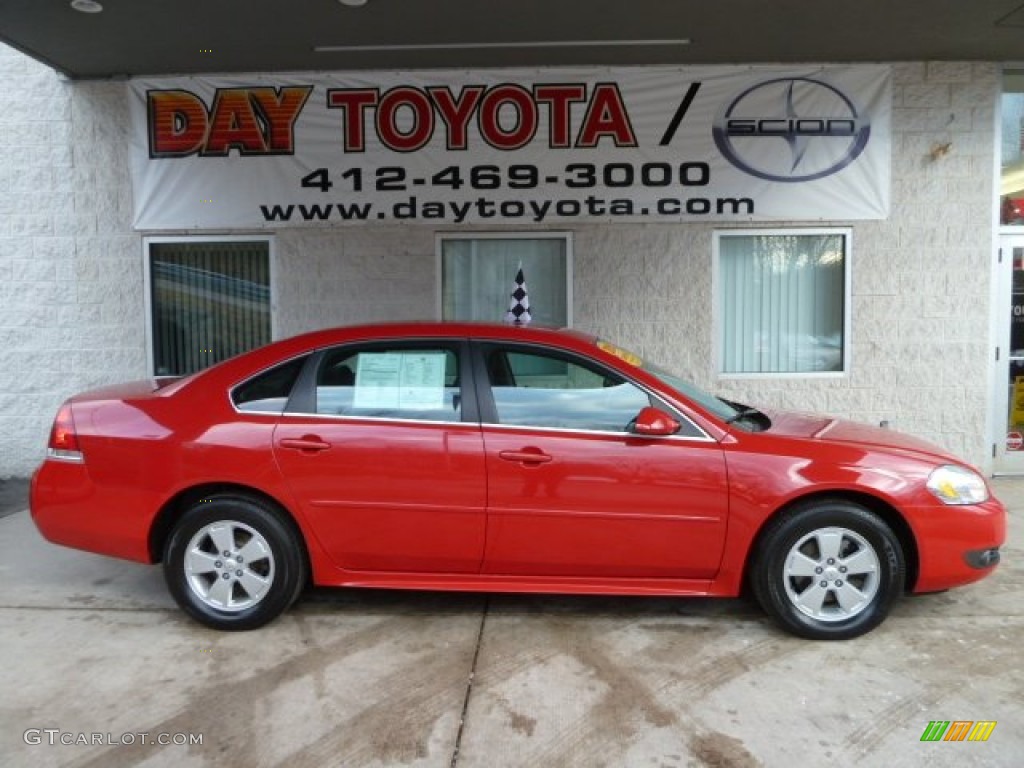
x=702, y=438
x=475, y=425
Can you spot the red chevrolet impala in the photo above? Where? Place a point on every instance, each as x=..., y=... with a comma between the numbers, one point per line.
x=496, y=458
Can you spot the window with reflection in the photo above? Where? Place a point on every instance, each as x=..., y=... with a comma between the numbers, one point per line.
x=542, y=389
x=478, y=274
x=782, y=300
x=209, y=300
x=1011, y=193
x=268, y=392
x=419, y=383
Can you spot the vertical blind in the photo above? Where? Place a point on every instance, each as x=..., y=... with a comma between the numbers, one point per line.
x=478, y=278
x=781, y=303
x=209, y=300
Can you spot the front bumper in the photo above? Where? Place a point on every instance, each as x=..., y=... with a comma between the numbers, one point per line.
x=983, y=558
x=957, y=545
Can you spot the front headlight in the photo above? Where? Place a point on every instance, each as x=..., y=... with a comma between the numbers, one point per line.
x=957, y=485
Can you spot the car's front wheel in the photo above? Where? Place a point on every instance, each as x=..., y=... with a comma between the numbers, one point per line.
x=828, y=570
x=232, y=562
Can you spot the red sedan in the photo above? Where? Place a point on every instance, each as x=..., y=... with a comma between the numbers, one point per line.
x=497, y=458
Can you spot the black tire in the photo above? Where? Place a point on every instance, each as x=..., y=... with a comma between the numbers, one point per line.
x=828, y=570
x=263, y=573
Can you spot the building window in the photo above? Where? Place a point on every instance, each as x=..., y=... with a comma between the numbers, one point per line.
x=782, y=301
x=478, y=274
x=208, y=300
x=1011, y=197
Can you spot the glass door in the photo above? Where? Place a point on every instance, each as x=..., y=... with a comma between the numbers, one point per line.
x=1009, y=401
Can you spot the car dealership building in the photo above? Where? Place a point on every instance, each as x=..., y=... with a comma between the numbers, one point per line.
x=844, y=238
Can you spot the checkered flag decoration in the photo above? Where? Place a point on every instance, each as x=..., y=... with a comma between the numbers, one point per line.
x=519, y=304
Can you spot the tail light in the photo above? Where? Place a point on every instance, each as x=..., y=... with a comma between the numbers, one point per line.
x=63, y=437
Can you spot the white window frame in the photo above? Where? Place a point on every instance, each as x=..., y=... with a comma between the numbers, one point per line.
x=440, y=237
x=148, y=285
x=717, y=309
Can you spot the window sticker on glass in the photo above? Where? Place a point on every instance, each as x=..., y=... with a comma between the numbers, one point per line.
x=623, y=354
x=400, y=380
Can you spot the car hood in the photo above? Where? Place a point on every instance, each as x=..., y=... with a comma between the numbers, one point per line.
x=827, y=429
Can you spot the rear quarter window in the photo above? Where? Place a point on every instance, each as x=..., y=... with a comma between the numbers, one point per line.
x=268, y=392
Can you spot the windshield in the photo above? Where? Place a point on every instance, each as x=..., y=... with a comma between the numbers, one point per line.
x=723, y=409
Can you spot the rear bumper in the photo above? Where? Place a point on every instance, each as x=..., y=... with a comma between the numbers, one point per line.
x=69, y=510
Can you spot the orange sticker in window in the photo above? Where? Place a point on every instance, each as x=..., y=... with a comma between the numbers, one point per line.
x=619, y=352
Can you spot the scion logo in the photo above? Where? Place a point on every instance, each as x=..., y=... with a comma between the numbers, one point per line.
x=791, y=129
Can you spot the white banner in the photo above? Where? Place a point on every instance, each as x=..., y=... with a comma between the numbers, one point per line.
x=512, y=147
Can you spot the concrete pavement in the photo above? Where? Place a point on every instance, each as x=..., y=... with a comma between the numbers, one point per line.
x=13, y=495
x=95, y=653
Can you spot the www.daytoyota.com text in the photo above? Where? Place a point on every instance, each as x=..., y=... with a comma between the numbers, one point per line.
x=510, y=180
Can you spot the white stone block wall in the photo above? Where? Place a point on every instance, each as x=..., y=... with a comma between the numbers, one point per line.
x=71, y=276
x=71, y=268
x=353, y=275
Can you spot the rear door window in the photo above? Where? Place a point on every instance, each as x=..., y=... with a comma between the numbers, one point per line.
x=416, y=383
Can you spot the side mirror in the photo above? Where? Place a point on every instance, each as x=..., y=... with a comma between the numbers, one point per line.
x=651, y=422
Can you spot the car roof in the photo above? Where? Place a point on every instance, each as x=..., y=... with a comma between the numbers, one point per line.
x=434, y=329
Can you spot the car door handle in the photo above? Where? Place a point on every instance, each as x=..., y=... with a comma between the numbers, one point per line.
x=310, y=443
x=526, y=457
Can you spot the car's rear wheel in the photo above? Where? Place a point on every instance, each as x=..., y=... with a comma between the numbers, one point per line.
x=828, y=570
x=232, y=562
